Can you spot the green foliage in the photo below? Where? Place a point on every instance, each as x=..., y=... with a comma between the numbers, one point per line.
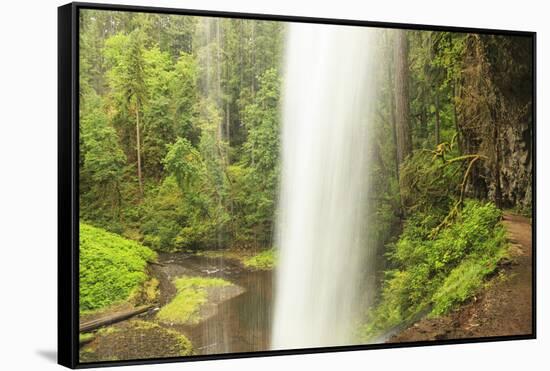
x=184, y=162
x=265, y=260
x=125, y=56
x=261, y=121
x=436, y=66
x=466, y=279
x=102, y=157
x=213, y=150
x=239, y=193
x=183, y=87
x=429, y=182
x=437, y=274
x=191, y=99
x=259, y=171
x=191, y=295
x=164, y=214
x=179, y=219
x=112, y=268
x=102, y=163
x=192, y=215
x=158, y=127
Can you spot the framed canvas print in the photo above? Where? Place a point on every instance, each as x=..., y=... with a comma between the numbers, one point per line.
x=237, y=185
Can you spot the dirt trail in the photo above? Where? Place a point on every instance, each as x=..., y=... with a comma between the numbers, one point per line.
x=503, y=308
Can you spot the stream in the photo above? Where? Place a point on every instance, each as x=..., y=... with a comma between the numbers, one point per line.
x=242, y=323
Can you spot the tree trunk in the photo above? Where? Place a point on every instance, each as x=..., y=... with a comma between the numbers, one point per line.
x=218, y=65
x=455, y=118
x=402, y=110
x=138, y=149
x=228, y=122
x=437, y=121
x=497, y=156
x=423, y=119
x=393, y=126
x=253, y=48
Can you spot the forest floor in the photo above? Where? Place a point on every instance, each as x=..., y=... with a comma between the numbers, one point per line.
x=503, y=307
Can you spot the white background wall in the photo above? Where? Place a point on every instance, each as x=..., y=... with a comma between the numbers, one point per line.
x=28, y=152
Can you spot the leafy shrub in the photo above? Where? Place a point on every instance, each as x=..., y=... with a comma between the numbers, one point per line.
x=101, y=162
x=177, y=219
x=163, y=213
x=437, y=274
x=264, y=261
x=112, y=268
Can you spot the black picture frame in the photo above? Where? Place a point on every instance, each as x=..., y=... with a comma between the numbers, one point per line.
x=68, y=181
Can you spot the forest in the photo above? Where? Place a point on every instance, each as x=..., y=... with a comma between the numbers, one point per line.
x=180, y=155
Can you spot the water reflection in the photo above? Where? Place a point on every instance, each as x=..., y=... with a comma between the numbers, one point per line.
x=242, y=323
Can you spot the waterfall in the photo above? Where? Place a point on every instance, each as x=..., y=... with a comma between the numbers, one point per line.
x=321, y=230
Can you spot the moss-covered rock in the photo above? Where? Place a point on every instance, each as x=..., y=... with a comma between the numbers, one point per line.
x=135, y=340
x=191, y=298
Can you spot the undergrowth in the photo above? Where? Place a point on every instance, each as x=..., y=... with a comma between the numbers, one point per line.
x=265, y=260
x=112, y=268
x=436, y=274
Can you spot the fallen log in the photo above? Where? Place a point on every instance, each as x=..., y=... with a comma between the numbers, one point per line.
x=113, y=318
x=156, y=263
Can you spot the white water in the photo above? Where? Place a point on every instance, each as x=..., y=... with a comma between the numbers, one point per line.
x=321, y=230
